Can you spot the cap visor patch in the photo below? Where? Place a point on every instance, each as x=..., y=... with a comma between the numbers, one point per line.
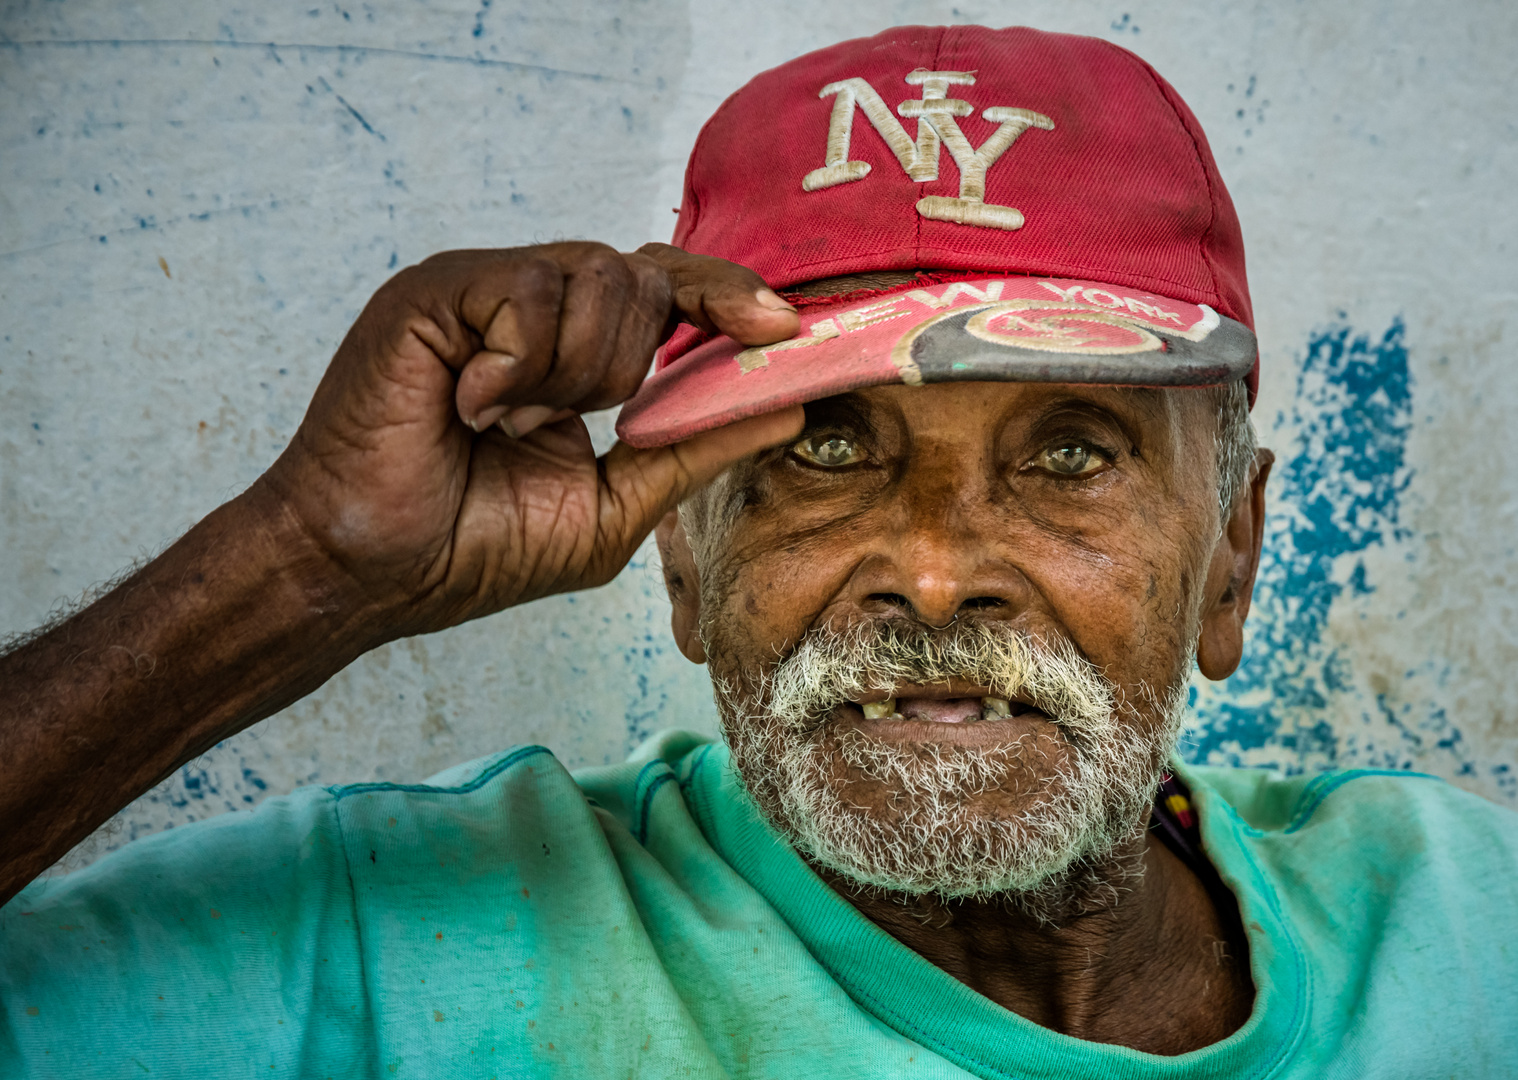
x=1010, y=329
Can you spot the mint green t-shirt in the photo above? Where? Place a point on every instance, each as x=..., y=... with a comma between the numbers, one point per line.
x=511, y=920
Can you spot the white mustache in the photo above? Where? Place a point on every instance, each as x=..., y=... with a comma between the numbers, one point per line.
x=828, y=667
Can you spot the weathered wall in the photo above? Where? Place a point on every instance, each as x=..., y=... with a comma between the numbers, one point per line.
x=195, y=200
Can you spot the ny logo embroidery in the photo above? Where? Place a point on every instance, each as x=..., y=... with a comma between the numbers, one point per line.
x=935, y=114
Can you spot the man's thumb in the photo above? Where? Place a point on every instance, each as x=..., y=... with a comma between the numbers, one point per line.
x=724, y=298
x=644, y=485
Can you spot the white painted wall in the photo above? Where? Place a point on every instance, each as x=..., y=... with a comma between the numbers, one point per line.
x=195, y=200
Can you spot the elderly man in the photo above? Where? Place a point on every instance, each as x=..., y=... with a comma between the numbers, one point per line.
x=956, y=516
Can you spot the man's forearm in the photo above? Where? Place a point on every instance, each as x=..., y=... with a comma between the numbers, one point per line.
x=236, y=620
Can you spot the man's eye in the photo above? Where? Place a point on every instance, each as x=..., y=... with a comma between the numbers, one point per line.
x=829, y=451
x=1070, y=459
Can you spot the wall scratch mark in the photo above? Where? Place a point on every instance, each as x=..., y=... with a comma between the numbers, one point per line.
x=359, y=117
x=345, y=51
x=242, y=209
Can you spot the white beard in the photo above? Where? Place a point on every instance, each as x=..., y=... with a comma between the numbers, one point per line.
x=1069, y=846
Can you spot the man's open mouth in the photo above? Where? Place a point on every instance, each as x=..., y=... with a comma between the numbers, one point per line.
x=950, y=705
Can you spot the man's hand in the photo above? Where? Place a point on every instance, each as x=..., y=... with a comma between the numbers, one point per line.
x=401, y=506
x=441, y=466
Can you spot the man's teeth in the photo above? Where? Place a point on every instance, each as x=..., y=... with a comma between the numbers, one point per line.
x=990, y=708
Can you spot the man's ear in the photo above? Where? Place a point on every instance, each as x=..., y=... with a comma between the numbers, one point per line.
x=1230, y=578
x=684, y=585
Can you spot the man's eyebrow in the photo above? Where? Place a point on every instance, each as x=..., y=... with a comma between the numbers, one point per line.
x=1129, y=412
x=843, y=410
x=1144, y=400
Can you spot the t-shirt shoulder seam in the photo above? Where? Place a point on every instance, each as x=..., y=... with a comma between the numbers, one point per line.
x=1321, y=787
x=695, y=797
x=644, y=790
x=364, y=974
x=512, y=757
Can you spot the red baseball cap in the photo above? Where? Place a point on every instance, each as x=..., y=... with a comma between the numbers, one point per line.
x=1058, y=196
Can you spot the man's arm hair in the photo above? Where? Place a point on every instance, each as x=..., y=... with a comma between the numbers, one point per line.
x=227, y=626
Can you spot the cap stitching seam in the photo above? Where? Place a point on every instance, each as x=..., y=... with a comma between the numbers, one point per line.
x=689, y=184
x=1074, y=267
x=923, y=279
x=943, y=32
x=1212, y=197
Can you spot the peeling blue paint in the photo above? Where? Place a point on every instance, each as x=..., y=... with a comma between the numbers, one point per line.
x=1338, y=494
x=479, y=19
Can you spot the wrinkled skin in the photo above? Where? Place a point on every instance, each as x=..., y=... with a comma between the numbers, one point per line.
x=448, y=521
x=951, y=511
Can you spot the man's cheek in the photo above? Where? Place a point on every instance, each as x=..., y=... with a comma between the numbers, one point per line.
x=760, y=619
x=786, y=589
x=748, y=621
x=1123, y=620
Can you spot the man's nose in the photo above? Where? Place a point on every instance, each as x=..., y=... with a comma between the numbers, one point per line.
x=938, y=565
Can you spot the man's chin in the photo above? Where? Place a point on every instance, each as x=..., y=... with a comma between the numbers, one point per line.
x=904, y=811
x=981, y=777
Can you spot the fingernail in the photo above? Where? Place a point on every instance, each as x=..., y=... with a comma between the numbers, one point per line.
x=771, y=299
x=528, y=418
x=487, y=416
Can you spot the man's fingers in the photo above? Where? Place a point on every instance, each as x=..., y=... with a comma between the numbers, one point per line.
x=484, y=382
x=725, y=298
x=568, y=326
x=644, y=485
x=575, y=325
x=598, y=286
x=639, y=332
x=512, y=304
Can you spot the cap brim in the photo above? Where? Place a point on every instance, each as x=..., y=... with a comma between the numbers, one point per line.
x=1010, y=329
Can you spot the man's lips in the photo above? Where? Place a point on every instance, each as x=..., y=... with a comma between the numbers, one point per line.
x=942, y=704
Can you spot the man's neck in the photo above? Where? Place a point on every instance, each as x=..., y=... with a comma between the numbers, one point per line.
x=1164, y=970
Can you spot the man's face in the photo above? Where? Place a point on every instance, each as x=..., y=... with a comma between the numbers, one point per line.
x=951, y=625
